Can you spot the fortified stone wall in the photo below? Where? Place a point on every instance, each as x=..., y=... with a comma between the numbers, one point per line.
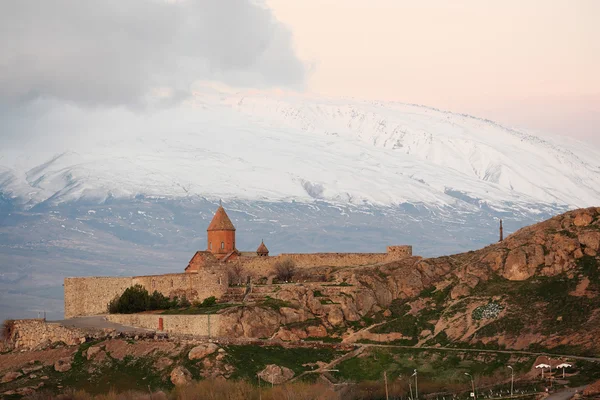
x=264, y=265
x=198, y=325
x=90, y=296
x=32, y=333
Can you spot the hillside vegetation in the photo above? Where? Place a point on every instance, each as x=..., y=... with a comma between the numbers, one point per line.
x=539, y=289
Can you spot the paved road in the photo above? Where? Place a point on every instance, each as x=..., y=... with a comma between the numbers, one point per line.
x=99, y=322
x=565, y=394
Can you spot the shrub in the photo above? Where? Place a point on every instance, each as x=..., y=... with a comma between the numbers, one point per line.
x=209, y=302
x=134, y=299
x=159, y=302
x=285, y=270
x=184, y=302
x=7, y=329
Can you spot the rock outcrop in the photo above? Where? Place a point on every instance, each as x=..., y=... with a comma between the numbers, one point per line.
x=181, y=376
x=202, y=351
x=275, y=374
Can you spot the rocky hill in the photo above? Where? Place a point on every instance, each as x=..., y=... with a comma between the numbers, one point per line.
x=538, y=289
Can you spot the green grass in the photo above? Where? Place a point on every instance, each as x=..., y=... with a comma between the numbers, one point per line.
x=326, y=339
x=95, y=378
x=303, y=324
x=275, y=304
x=249, y=360
x=542, y=299
x=589, y=267
x=434, y=365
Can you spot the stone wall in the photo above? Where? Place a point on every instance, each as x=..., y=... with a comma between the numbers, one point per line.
x=198, y=325
x=32, y=333
x=263, y=265
x=91, y=295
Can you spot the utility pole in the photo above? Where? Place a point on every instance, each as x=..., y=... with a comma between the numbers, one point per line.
x=387, y=395
x=512, y=380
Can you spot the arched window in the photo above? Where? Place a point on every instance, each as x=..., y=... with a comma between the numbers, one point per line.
x=210, y=245
x=222, y=245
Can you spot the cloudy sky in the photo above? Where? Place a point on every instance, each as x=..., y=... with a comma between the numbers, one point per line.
x=532, y=63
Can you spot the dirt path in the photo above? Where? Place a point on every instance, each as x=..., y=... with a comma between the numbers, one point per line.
x=333, y=363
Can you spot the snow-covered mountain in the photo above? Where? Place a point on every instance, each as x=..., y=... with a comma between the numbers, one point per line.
x=273, y=147
x=121, y=192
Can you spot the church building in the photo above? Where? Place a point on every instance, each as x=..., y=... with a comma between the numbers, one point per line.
x=220, y=247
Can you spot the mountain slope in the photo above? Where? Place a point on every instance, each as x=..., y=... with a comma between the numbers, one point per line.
x=108, y=192
x=256, y=147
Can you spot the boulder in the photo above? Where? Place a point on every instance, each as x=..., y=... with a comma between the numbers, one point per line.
x=11, y=376
x=28, y=370
x=583, y=219
x=202, y=351
x=316, y=331
x=181, y=376
x=92, y=351
x=163, y=363
x=516, y=267
x=62, y=365
x=592, y=390
x=591, y=240
x=276, y=374
x=335, y=316
x=387, y=313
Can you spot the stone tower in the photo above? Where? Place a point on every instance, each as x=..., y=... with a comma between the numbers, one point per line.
x=221, y=234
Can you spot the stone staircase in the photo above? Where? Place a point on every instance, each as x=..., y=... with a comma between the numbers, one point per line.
x=238, y=294
x=234, y=294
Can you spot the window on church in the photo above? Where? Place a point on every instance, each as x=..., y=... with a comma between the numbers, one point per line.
x=210, y=245
x=222, y=245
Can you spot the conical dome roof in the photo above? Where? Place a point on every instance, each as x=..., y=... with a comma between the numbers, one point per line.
x=221, y=221
x=262, y=249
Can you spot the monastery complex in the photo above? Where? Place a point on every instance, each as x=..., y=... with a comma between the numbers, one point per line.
x=206, y=274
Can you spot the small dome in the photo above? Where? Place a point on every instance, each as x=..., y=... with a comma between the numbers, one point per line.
x=262, y=249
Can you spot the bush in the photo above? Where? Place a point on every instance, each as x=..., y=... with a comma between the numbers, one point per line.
x=285, y=270
x=134, y=299
x=159, y=302
x=184, y=302
x=209, y=302
x=7, y=329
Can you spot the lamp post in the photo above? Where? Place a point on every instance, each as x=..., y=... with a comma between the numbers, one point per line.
x=416, y=386
x=512, y=380
x=472, y=385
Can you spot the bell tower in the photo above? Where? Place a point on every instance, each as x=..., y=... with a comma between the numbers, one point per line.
x=221, y=234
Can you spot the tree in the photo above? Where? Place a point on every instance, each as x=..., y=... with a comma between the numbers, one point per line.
x=134, y=299
x=236, y=274
x=285, y=270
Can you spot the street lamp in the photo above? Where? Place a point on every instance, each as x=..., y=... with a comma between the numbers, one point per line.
x=416, y=386
x=472, y=385
x=512, y=380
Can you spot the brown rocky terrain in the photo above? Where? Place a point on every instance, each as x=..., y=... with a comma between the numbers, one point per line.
x=539, y=288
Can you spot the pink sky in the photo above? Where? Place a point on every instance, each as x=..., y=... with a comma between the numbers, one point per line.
x=528, y=63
